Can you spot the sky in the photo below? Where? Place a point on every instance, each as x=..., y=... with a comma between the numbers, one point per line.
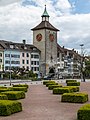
x=71, y=17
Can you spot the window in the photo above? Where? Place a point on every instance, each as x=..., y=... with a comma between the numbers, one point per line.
x=11, y=46
x=37, y=62
x=34, y=62
x=37, y=68
x=27, y=67
x=17, y=62
x=7, y=62
x=31, y=62
x=27, y=61
x=0, y=60
x=27, y=54
x=32, y=68
x=0, y=54
x=31, y=56
x=7, y=68
x=15, y=56
x=36, y=56
x=7, y=55
x=23, y=62
x=22, y=54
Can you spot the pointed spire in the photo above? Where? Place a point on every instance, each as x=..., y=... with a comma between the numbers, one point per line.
x=45, y=16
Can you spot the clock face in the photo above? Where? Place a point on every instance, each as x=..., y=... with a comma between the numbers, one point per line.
x=39, y=37
x=51, y=37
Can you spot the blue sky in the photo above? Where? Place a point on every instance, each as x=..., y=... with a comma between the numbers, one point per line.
x=71, y=17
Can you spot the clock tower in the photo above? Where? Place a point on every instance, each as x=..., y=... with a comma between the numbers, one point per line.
x=45, y=39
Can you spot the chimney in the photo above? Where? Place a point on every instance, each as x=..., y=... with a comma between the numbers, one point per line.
x=24, y=42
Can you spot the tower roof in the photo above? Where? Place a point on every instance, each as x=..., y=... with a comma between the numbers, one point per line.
x=45, y=13
x=45, y=25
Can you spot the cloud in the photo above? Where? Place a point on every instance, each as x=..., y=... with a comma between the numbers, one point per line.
x=7, y=2
x=17, y=19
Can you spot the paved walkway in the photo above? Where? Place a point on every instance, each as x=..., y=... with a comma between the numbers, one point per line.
x=41, y=104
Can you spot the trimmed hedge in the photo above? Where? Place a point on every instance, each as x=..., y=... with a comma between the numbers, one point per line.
x=74, y=88
x=74, y=97
x=3, y=97
x=73, y=83
x=17, y=89
x=3, y=89
x=21, y=85
x=14, y=95
x=84, y=112
x=51, y=84
x=50, y=87
x=8, y=107
x=48, y=81
x=61, y=90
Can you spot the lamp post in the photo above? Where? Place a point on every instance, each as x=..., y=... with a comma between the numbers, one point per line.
x=82, y=67
x=10, y=68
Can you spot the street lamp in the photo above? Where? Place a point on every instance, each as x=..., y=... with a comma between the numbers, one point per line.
x=10, y=68
x=82, y=67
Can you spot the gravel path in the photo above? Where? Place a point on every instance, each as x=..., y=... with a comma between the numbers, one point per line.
x=41, y=104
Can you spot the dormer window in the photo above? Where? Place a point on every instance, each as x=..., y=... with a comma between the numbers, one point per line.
x=25, y=47
x=12, y=46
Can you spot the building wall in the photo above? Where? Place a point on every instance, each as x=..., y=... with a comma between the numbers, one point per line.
x=41, y=46
x=1, y=61
x=11, y=59
x=47, y=47
x=51, y=49
x=35, y=57
x=25, y=60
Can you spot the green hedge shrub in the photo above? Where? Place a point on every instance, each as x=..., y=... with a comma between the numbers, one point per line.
x=74, y=97
x=84, y=112
x=74, y=88
x=17, y=89
x=61, y=90
x=73, y=83
x=50, y=87
x=14, y=95
x=8, y=107
x=51, y=84
x=44, y=82
x=3, y=89
x=3, y=97
x=48, y=81
x=21, y=85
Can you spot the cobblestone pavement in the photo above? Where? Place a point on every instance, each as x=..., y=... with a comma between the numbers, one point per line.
x=41, y=104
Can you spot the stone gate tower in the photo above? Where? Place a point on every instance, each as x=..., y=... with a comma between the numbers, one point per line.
x=45, y=39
